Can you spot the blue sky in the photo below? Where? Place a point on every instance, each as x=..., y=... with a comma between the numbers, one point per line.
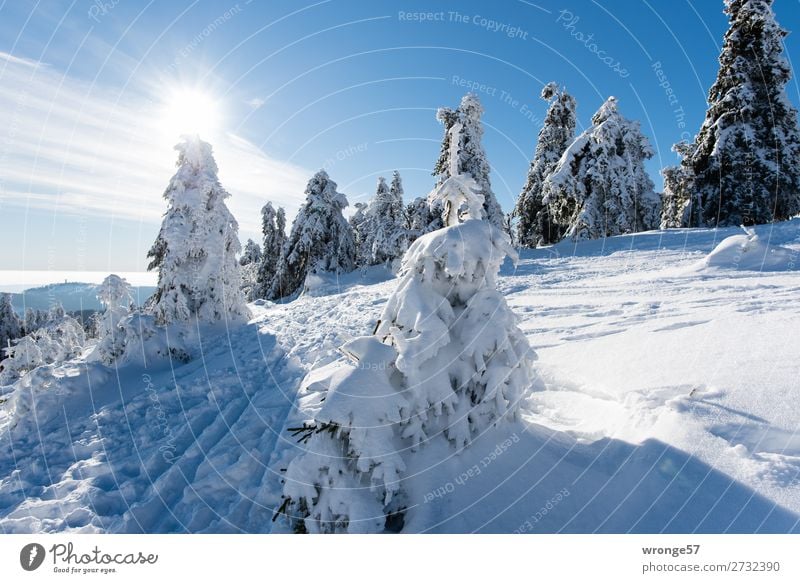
x=87, y=89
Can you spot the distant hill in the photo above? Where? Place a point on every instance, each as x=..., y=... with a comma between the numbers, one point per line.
x=74, y=296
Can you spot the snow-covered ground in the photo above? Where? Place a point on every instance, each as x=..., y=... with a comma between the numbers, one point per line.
x=669, y=404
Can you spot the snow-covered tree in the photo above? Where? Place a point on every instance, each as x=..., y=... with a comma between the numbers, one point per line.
x=20, y=358
x=56, y=312
x=599, y=187
x=34, y=319
x=678, y=195
x=744, y=167
x=381, y=236
x=448, y=359
x=348, y=478
x=360, y=225
x=10, y=324
x=251, y=253
x=60, y=338
x=418, y=217
x=534, y=225
x=195, y=251
x=273, y=230
x=321, y=240
x=249, y=264
x=463, y=152
x=116, y=296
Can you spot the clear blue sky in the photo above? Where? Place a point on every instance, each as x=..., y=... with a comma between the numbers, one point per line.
x=350, y=85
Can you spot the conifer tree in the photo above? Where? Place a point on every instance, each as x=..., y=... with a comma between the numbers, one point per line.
x=321, y=240
x=534, y=224
x=599, y=187
x=116, y=296
x=462, y=145
x=195, y=251
x=447, y=361
x=744, y=166
x=10, y=324
x=273, y=230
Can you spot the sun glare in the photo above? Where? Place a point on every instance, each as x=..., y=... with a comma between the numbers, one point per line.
x=189, y=112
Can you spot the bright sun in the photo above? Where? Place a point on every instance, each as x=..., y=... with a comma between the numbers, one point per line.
x=189, y=112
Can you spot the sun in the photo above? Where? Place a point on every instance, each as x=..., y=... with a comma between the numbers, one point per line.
x=189, y=111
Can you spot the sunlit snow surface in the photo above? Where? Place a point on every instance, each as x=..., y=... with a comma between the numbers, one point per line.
x=670, y=405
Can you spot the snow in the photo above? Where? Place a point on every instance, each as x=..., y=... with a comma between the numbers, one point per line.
x=668, y=404
x=751, y=252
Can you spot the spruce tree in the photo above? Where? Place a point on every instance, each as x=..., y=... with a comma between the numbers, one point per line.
x=251, y=253
x=534, y=224
x=273, y=230
x=386, y=238
x=116, y=296
x=600, y=187
x=744, y=167
x=462, y=145
x=195, y=251
x=10, y=324
x=447, y=361
x=359, y=223
x=418, y=217
x=676, y=200
x=321, y=240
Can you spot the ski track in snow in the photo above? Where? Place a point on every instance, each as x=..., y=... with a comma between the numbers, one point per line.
x=670, y=406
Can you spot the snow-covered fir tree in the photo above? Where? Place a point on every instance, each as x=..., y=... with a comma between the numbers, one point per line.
x=321, y=240
x=116, y=296
x=744, y=167
x=534, y=225
x=418, y=218
x=448, y=360
x=462, y=150
x=10, y=324
x=195, y=251
x=249, y=264
x=61, y=338
x=678, y=195
x=273, y=231
x=34, y=319
x=360, y=225
x=251, y=253
x=20, y=358
x=599, y=187
x=382, y=234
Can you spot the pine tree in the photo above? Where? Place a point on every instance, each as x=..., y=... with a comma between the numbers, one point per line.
x=599, y=187
x=462, y=144
x=195, y=251
x=535, y=226
x=10, y=324
x=745, y=164
x=321, y=240
x=448, y=359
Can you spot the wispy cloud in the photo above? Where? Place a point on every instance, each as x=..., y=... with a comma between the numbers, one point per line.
x=19, y=60
x=66, y=146
x=256, y=102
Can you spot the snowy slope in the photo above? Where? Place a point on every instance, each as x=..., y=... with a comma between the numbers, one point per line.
x=670, y=405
